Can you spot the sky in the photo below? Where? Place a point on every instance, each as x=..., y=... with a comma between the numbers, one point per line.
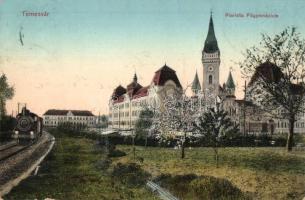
x=74, y=57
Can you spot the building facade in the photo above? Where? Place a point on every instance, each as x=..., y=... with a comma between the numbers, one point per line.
x=126, y=104
x=250, y=118
x=53, y=118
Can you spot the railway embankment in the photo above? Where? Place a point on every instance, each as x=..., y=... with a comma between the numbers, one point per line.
x=19, y=166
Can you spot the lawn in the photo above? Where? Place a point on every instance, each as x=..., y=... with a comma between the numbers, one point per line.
x=70, y=172
x=261, y=173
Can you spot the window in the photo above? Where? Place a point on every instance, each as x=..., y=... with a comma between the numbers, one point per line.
x=210, y=79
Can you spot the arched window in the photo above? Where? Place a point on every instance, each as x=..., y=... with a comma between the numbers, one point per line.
x=210, y=79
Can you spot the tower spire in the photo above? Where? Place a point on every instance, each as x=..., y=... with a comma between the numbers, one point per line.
x=230, y=83
x=196, y=84
x=210, y=45
x=135, y=78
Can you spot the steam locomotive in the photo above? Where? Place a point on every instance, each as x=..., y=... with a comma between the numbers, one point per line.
x=28, y=126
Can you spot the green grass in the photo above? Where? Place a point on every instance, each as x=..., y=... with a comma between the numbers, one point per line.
x=70, y=172
x=261, y=173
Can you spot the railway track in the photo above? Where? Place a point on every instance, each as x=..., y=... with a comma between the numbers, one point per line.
x=12, y=150
x=163, y=194
x=7, y=145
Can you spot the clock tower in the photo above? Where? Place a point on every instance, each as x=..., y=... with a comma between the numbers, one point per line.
x=211, y=62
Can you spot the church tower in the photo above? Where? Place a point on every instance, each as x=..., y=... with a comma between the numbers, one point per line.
x=211, y=62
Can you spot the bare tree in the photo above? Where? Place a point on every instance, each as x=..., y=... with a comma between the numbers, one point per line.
x=277, y=69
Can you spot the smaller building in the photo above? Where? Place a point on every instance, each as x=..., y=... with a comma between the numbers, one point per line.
x=53, y=117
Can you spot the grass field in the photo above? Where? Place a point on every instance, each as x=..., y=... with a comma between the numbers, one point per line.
x=262, y=173
x=70, y=173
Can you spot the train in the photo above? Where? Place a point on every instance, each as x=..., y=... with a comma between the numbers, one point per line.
x=28, y=126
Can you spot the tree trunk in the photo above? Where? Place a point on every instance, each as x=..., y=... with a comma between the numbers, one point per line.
x=2, y=108
x=290, y=134
x=182, y=150
x=133, y=148
x=216, y=154
x=146, y=140
x=182, y=147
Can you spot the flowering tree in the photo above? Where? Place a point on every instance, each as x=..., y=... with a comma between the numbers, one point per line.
x=176, y=115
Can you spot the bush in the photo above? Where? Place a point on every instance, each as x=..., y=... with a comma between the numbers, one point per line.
x=116, y=153
x=209, y=187
x=130, y=174
x=7, y=125
x=191, y=186
x=179, y=184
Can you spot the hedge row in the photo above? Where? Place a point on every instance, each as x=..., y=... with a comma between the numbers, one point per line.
x=238, y=141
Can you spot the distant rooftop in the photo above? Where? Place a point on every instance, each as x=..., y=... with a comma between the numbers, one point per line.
x=65, y=112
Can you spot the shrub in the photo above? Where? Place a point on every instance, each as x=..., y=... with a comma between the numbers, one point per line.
x=209, y=187
x=179, y=184
x=130, y=174
x=116, y=153
x=7, y=123
x=191, y=186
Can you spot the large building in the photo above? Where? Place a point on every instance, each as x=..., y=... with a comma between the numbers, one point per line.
x=126, y=104
x=249, y=117
x=53, y=117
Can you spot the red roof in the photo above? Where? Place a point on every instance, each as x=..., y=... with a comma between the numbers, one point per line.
x=141, y=92
x=268, y=71
x=273, y=73
x=118, y=91
x=164, y=74
x=133, y=88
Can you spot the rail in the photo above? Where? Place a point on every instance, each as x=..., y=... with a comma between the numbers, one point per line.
x=7, y=145
x=163, y=194
x=6, y=188
x=14, y=152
